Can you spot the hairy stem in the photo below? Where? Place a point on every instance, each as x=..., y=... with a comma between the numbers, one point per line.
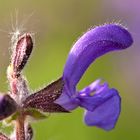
x=20, y=130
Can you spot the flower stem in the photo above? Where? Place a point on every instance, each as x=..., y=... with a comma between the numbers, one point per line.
x=20, y=130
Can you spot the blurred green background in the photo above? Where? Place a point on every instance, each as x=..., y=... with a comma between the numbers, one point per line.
x=56, y=25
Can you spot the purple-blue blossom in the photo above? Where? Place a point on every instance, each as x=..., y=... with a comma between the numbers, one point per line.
x=102, y=104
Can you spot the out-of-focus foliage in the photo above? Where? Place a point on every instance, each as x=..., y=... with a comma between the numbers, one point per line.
x=56, y=25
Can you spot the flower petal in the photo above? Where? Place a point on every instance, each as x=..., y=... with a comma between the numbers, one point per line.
x=91, y=88
x=91, y=45
x=72, y=102
x=106, y=114
x=92, y=97
x=66, y=101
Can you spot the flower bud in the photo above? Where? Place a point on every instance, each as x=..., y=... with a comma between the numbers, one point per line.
x=23, y=49
x=7, y=106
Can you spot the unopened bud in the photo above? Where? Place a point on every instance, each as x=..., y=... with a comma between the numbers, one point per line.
x=23, y=49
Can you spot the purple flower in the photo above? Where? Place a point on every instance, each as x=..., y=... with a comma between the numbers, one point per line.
x=102, y=104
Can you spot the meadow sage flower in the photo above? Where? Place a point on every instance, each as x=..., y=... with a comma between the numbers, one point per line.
x=102, y=104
